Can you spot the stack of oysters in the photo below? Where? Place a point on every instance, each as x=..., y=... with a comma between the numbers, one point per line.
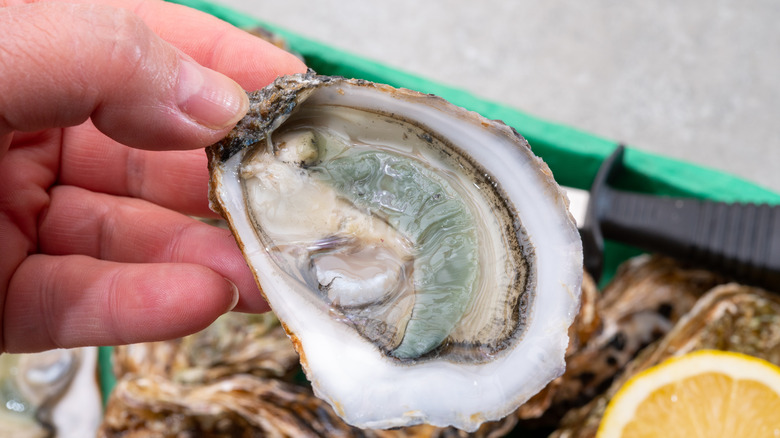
x=241, y=376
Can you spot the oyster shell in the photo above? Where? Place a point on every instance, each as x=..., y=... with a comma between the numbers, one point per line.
x=730, y=317
x=420, y=257
x=236, y=343
x=51, y=393
x=647, y=297
x=238, y=377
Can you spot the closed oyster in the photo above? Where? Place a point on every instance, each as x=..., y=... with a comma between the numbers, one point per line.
x=420, y=257
x=648, y=295
x=236, y=343
x=730, y=317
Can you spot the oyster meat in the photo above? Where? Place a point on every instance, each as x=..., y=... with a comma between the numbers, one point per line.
x=420, y=257
x=51, y=393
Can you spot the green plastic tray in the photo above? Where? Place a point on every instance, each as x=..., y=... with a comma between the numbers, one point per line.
x=574, y=156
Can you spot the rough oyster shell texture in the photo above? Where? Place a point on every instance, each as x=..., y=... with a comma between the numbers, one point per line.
x=420, y=257
x=249, y=387
x=730, y=317
x=50, y=393
x=238, y=376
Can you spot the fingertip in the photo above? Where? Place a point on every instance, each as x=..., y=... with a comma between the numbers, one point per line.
x=72, y=301
x=236, y=295
x=254, y=303
x=228, y=260
x=208, y=97
x=250, y=299
x=171, y=300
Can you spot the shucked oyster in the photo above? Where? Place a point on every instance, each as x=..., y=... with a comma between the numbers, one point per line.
x=421, y=258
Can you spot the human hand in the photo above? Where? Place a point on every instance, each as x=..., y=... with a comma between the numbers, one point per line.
x=96, y=247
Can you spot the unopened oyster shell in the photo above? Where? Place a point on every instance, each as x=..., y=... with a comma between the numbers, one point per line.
x=648, y=295
x=730, y=317
x=420, y=257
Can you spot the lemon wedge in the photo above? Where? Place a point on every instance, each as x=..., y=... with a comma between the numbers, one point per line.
x=706, y=393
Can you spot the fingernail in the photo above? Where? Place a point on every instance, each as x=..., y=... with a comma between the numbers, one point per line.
x=234, y=302
x=209, y=98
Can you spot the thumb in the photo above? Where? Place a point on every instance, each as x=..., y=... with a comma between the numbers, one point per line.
x=105, y=63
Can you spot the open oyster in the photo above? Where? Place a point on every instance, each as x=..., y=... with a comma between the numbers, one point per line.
x=730, y=317
x=420, y=257
x=51, y=393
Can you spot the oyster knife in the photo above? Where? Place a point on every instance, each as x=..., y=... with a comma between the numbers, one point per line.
x=741, y=240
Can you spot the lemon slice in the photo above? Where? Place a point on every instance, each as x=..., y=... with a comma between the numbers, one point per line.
x=702, y=394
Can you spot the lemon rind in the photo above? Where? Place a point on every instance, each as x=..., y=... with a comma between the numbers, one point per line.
x=623, y=406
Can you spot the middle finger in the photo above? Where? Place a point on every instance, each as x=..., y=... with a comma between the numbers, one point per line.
x=177, y=180
x=130, y=230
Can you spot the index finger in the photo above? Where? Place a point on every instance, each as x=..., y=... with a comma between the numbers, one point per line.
x=174, y=180
x=216, y=44
x=177, y=180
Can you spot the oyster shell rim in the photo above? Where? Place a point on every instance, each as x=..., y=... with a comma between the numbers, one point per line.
x=572, y=253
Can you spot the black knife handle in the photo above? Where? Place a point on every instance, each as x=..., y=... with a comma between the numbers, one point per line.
x=741, y=240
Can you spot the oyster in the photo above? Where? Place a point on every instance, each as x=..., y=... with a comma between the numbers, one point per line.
x=52, y=393
x=648, y=295
x=236, y=343
x=730, y=317
x=238, y=377
x=420, y=257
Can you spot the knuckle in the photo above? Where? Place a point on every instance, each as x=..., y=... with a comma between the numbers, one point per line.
x=126, y=48
x=129, y=37
x=126, y=42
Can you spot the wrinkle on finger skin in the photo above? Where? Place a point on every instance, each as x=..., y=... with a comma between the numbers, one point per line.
x=72, y=301
x=134, y=231
x=26, y=173
x=15, y=249
x=136, y=167
x=177, y=180
x=112, y=303
x=59, y=57
x=71, y=56
x=247, y=59
x=16, y=25
x=134, y=56
x=128, y=45
x=5, y=140
x=31, y=309
x=107, y=64
x=50, y=314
